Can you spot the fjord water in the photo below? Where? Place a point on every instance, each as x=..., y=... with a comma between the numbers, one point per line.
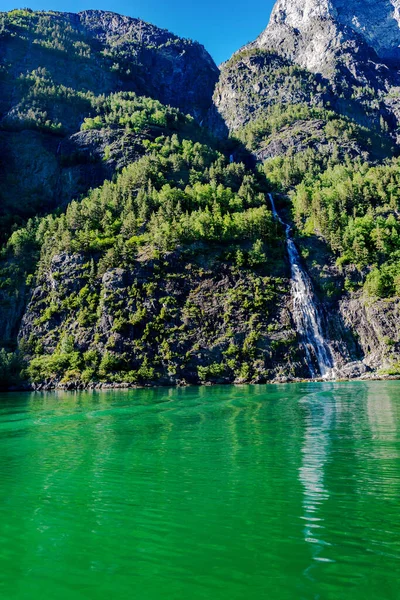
x=281, y=492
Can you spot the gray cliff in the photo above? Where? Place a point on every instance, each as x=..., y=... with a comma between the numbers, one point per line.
x=313, y=33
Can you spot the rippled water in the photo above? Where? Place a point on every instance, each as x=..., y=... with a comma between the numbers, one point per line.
x=223, y=493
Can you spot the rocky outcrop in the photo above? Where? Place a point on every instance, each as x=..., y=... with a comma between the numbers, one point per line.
x=304, y=135
x=46, y=172
x=340, y=55
x=186, y=321
x=255, y=80
x=318, y=33
x=192, y=315
x=363, y=331
x=52, y=68
x=376, y=324
x=176, y=71
x=104, y=52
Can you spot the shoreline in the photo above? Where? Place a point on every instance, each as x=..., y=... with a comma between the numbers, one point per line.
x=104, y=386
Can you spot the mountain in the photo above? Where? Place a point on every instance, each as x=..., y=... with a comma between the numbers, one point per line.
x=346, y=53
x=100, y=52
x=138, y=242
x=116, y=286
x=315, y=98
x=55, y=68
x=319, y=34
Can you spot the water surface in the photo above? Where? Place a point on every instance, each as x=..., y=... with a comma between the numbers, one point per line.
x=223, y=493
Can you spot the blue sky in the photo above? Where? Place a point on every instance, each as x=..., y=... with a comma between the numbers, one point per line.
x=221, y=25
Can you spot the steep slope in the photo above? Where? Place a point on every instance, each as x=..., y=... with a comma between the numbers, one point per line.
x=100, y=52
x=351, y=44
x=55, y=69
x=173, y=268
x=317, y=34
x=343, y=56
x=161, y=276
x=173, y=273
x=315, y=98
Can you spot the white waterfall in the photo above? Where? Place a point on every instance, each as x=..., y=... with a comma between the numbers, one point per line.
x=305, y=310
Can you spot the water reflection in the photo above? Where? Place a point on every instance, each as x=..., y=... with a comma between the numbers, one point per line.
x=319, y=415
x=382, y=461
x=381, y=414
x=351, y=484
x=227, y=492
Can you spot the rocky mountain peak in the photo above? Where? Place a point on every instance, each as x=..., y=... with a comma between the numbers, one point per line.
x=110, y=27
x=314, y=32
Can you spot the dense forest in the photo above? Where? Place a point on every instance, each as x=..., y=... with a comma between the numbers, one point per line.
x=138, y=245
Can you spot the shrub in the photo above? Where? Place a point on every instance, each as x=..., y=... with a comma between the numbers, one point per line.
x=11, y=368
x=210, y=372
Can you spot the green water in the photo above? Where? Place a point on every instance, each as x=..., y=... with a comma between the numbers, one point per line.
x=223, y=493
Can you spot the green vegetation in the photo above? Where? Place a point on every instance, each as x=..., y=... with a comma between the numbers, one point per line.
x=273, y=69
x=336, y=190
x=134, y=113
x=182, y=197
x=59, y=76
x=128, y=113
x=180, y=193
x=157, y=325
x=277, y=117
x=355, y=207
x=11, y=367
x=49, y=31
x=261, y=80
x=145, y=247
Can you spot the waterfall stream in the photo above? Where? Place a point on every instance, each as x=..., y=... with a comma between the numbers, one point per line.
x=306, y=313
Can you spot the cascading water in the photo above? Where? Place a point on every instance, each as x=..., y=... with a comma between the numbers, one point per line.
x=306, y=314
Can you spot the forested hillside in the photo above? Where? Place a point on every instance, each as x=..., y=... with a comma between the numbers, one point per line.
x=58, y=69
x=138, y=244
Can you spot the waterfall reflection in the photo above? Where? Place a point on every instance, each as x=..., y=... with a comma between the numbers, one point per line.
x=320, y=412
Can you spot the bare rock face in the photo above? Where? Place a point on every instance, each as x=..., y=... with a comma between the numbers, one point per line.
x=338, y=54
x=377, y=326
x=253, y=81
x=174, y=70
x=314, y=33
x=377, y=22
x=201, y=317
